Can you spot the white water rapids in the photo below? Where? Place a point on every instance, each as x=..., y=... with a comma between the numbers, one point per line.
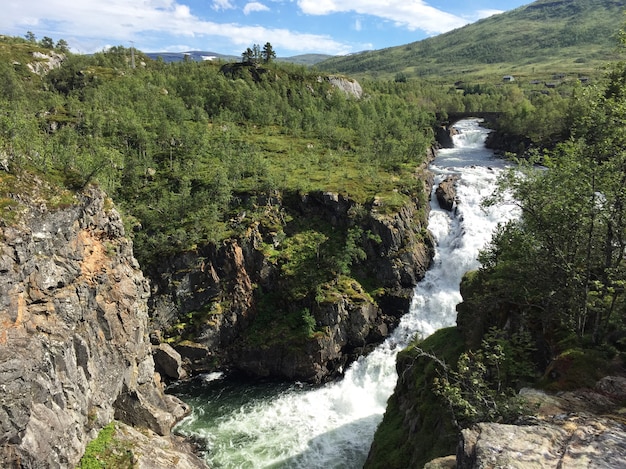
x=273, y=426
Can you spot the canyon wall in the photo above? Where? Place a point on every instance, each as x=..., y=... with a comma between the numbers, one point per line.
x=74, y=348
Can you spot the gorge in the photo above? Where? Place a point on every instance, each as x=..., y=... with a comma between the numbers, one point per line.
x=270, y=425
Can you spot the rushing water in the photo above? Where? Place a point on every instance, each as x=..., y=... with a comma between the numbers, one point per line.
x=245, y=425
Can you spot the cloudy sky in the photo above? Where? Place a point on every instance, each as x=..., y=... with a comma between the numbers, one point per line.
x=230, y=26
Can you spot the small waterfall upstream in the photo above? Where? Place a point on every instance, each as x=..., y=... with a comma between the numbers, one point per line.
x=245, y=425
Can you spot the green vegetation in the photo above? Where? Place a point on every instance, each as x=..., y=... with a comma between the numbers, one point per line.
x=106, y=452
x=545, y=40
x=547, y=306
x=483, y=386
x=416, y=426
x=179, y=146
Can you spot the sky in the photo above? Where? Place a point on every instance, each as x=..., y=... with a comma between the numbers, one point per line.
x=292, y=27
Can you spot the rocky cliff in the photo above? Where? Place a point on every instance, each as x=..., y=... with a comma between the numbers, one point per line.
x=583, y=427
x=74, y=348
x=242, y=306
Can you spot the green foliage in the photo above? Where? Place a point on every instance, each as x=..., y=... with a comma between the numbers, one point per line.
x=106, y=452
x=560, y=269
x=483, y=387
x=178, y=146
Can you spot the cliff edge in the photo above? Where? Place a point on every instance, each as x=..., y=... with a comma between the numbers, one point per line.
x=74, y=348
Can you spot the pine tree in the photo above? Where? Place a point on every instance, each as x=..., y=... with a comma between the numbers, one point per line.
x=268, y=53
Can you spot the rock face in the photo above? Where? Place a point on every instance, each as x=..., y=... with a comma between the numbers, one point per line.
x=446, y=193
x=74, y=349
x=348, y=86
x=45, y=62
x=574, y=429
x=444, y=134
x=218, y=286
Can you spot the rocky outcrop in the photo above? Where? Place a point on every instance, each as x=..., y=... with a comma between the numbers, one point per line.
x=444, y=135
x=349, y=86
x=503, y=143
x=152, y=451
x=45, y=62
x=574, y=429
x=216, y=290
x=74, y=349
x=446, y=193
x=350, y=325
x=417, y=427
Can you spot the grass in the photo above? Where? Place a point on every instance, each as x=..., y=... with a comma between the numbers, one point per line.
x=105, y=451
x=301, y=164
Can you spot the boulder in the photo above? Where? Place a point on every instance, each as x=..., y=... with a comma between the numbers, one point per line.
x=168, y=362
x=576, y=441
x=581, y=428
x=446, y=193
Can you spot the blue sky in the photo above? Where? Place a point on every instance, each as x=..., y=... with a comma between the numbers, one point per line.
x=230, y=26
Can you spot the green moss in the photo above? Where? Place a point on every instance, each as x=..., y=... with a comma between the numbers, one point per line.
x=417, y=425
x=105, y=451
x=576, y=368
x=391, y=202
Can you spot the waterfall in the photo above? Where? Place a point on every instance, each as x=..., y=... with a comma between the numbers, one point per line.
x=247, y=425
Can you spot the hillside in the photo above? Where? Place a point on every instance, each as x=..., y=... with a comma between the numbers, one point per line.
x=536, y=41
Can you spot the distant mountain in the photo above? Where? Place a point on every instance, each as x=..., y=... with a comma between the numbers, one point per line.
x=541, y=39
x=198, y=56
x=195, y=55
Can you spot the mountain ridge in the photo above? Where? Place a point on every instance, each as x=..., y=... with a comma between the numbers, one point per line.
x=543, y=37
x=200, y=55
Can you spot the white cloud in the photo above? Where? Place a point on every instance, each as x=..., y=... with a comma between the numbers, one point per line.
x=409, y=14
x=89, y=25
x=223, y=5
x=254, y=6
x=357, y=25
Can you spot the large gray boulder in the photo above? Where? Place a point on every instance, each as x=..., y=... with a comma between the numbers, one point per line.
x=446, y=193
x=577, y=429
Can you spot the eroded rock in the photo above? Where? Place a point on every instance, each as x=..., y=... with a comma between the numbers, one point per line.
x=168, y=362
x=73, y=334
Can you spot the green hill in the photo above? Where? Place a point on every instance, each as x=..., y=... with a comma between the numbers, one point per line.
x=535, y=41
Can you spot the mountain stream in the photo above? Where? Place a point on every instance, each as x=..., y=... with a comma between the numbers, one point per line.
x=268, y=425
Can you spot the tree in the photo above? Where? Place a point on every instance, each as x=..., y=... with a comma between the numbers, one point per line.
x=63, y=46
x=30, y=36
x=247, y=56
x=268, y=53
x=256, y=53
x=562, y=263
x=47, y=42
x=252, y=55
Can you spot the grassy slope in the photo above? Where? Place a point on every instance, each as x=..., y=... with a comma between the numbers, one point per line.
x=535, y=41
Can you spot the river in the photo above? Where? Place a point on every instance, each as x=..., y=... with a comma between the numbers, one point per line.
x=267, y=425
